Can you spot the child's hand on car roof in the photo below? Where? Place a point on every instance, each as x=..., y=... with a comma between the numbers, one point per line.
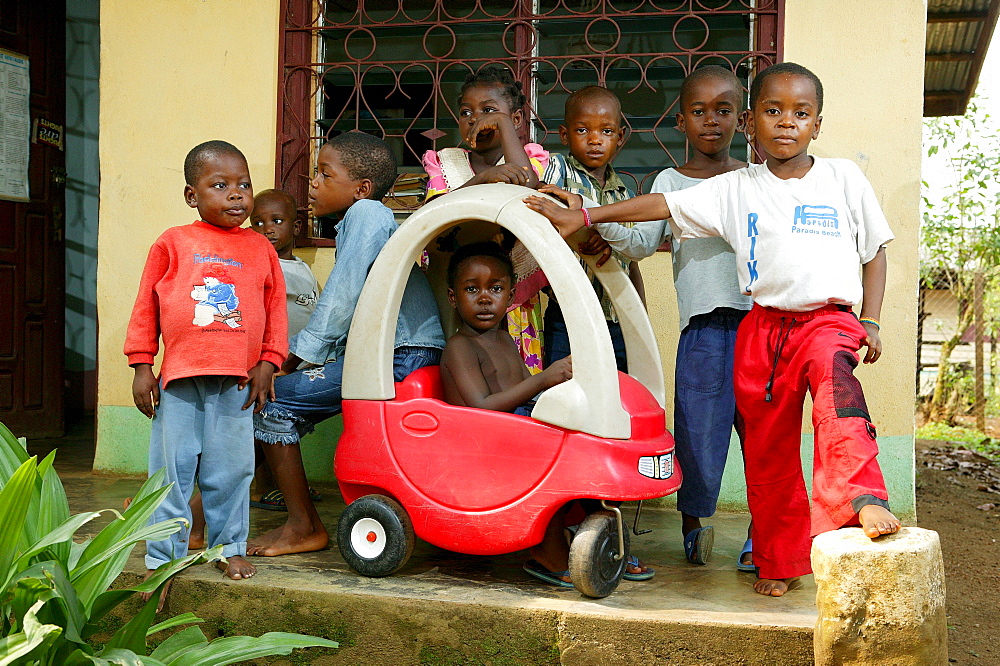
x=572, y=201
x=567, y=222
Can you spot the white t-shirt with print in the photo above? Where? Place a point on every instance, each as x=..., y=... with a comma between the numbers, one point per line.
x=301, y=291
x=798, y=242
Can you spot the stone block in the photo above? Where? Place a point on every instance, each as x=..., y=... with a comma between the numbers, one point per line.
x=879, y=602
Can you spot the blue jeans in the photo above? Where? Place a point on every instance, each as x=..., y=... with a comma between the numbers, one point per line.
x=307, y=397
x=704, y=407
x=557, y=339
x=201, y=429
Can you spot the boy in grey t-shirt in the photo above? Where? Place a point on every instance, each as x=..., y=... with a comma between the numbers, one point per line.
x=710, y=303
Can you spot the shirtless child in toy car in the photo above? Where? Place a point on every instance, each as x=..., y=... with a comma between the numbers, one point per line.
x=481, y=366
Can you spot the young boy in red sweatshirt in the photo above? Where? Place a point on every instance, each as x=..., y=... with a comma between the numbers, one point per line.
x=214, y=291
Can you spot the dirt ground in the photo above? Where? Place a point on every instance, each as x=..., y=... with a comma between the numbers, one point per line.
x=958, y=495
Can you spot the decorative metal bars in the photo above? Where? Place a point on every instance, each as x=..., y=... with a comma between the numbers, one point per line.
x=394, y=68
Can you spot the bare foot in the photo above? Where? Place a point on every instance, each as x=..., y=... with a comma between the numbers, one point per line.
x=286, y=540
x=747, y=558
x=163, y=593
x=236, y=567
x=877, y=521
x=773, y=588
x=264, y=540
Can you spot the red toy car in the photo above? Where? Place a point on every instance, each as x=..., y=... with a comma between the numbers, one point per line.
x=483, y=482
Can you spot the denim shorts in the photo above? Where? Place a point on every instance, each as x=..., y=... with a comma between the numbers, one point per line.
x=307, y=397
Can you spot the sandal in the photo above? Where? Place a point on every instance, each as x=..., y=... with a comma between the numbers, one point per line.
x=633, y=561
x=698, y=544
x=271, y=501
x=740, y=564
x=275, y=500
x=551, y=577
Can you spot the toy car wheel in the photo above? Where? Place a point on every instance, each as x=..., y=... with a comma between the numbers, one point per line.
x=593, y=566
x=375, y=535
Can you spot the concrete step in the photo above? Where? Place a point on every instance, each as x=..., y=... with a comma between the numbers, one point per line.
x=446, y=608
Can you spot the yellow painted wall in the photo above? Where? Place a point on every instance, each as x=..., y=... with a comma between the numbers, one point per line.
x=160, y=97
x=172, y=75
x=870, y=58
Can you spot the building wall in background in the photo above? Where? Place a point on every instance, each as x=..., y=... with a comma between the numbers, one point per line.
x=162, y=99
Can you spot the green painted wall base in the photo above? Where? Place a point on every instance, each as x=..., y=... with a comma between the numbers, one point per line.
x=123, y=440
x=896, y=457
x=123, y=444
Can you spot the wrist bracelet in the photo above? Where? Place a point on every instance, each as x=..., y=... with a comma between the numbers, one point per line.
x=586, y=217
x=873, y=322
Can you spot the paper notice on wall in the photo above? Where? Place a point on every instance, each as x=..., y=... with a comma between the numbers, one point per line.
x=15, y=126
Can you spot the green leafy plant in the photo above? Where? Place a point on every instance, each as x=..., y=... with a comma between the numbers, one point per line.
x=54, y=591
x=960, y=238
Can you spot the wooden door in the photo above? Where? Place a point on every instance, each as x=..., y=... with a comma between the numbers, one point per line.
x=32, y=254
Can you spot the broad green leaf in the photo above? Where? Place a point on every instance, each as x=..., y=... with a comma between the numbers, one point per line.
x=97, y=575
x=224, y=651
x=53, y=574
x=120, y=657
x=14, y=500
x=26, y=644
x=179, y=644
x=176, y=621
x=56, y=510
x=132, y=636
x=137, y=515
x=63, y=532
x=12, y=454
x=26, y=594
x=109, y=599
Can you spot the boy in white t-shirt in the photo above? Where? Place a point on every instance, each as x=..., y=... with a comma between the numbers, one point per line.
x=800, y=226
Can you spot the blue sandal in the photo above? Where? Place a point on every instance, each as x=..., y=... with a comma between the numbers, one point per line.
x=633, y=561
x=551, y=577
x=740, y=564
x=698, y=544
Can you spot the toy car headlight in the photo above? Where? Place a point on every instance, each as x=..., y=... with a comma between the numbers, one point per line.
x=657, y=467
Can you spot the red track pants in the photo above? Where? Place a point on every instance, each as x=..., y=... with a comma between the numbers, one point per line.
x=779, y=356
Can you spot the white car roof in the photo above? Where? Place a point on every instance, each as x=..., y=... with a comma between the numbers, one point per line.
x=589, y=402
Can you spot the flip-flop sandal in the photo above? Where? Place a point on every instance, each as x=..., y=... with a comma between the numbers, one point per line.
x=740, y=564
x=275, y=500
x=535, y=569
x=698, y=544
x=633, y=561
x=272, y=501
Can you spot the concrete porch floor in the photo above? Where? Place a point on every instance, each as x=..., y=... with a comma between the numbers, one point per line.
x=447, y=608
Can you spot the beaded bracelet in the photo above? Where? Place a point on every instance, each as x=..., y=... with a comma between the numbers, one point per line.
x=586, y=217
x=873, y=322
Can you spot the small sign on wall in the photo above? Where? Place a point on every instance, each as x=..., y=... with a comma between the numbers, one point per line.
x=15, y=126
x=47, y=132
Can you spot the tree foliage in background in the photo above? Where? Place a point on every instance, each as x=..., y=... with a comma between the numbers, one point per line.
x=54, y=591
x=960, y=235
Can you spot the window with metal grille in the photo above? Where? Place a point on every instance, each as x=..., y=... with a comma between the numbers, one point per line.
x=393, y=68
